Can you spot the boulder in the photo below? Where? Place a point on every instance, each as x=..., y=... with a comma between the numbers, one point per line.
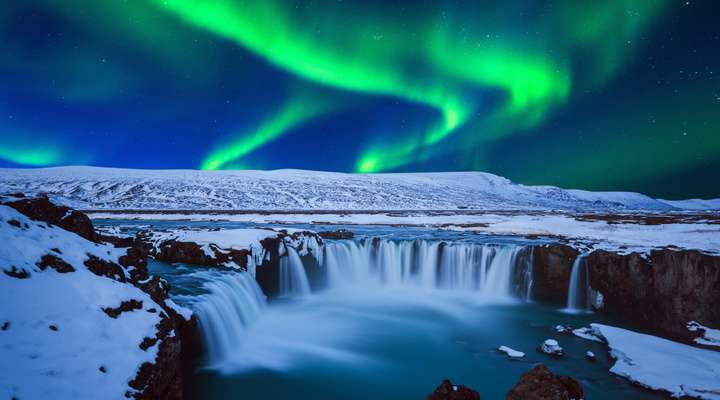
x=541, y=384
x=448, y=391
x=551, y=347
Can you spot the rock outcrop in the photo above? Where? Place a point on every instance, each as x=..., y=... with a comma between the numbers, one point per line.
x=541, y=384
x=552, y=266
x=448, y=391
x=42, y=209
x=660, y=292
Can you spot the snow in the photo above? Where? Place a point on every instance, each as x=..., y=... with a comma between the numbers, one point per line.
x=511, y=353
x=710, y=337
x=551, y=347
x=225, y=239
x=108, y=188
x=694, y=204
x=661, y=364
x=588, y=234
x=40, y=363
x=588, y=334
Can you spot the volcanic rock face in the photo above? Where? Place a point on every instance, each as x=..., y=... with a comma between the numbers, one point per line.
x=552, y=266
x=661, y=292
x=448, y=391
x=541, y=384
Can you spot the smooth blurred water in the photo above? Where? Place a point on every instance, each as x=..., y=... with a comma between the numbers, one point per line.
x=392, y=343
x=361, y=341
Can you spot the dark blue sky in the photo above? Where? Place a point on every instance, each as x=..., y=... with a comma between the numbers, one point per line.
x=607, y=96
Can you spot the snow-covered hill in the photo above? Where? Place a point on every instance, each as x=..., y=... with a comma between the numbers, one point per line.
x=107, y=188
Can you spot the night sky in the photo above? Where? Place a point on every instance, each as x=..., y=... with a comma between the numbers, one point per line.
x=598, y=95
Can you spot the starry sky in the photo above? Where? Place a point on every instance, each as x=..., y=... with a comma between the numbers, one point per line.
x=601, y=95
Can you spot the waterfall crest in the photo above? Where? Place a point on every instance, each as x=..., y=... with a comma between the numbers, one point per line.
x=578, y=290
x=489, y=270
x=293, y=278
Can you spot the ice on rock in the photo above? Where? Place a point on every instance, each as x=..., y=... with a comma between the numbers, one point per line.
x=588, y=333
x=551, y=347
x=510, y=352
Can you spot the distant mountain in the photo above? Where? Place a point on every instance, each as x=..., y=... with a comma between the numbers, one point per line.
x=110, y=188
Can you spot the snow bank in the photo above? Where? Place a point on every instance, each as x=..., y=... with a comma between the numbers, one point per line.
x=661, y=364
x=56, y=341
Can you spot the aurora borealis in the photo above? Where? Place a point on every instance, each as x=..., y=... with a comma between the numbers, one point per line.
x=610, y=95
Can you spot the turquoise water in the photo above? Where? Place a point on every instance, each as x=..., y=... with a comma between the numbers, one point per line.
x=381, y=342
x=390, y=343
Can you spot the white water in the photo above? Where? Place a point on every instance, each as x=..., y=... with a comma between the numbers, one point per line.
x=578, y=299
x=485, y=269
x=233, y=302
x=293, y=279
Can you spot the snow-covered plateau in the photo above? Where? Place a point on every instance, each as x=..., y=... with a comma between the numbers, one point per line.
x=107, y=188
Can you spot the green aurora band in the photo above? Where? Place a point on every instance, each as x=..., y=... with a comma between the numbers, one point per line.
x=296, y=110
x=30, y=155
x=437, y=62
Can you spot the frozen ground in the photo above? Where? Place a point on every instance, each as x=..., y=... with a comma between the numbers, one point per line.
x=106, y=188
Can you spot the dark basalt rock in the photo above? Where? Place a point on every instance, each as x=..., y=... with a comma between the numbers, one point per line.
x=541, y=384
x=448, y=391
x=105, y=268
x=14, y=272
x=661, y=292
x=55, y=263
x=41, y=209
x=192, y=253
x=125, y=306
x=552, y=266
x=14, y=223
x=338, y=234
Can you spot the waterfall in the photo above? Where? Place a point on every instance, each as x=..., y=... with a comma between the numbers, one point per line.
x=486, y=269
x=293, y=279
x=578, y=299
x=232, y=302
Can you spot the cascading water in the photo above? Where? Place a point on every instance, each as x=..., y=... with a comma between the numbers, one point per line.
x=483, y=271
x=486, y=269
x=293, y=279
x=578, y=291
x=233, y=301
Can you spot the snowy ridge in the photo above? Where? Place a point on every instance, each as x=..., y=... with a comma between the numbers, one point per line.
x=108, y=188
